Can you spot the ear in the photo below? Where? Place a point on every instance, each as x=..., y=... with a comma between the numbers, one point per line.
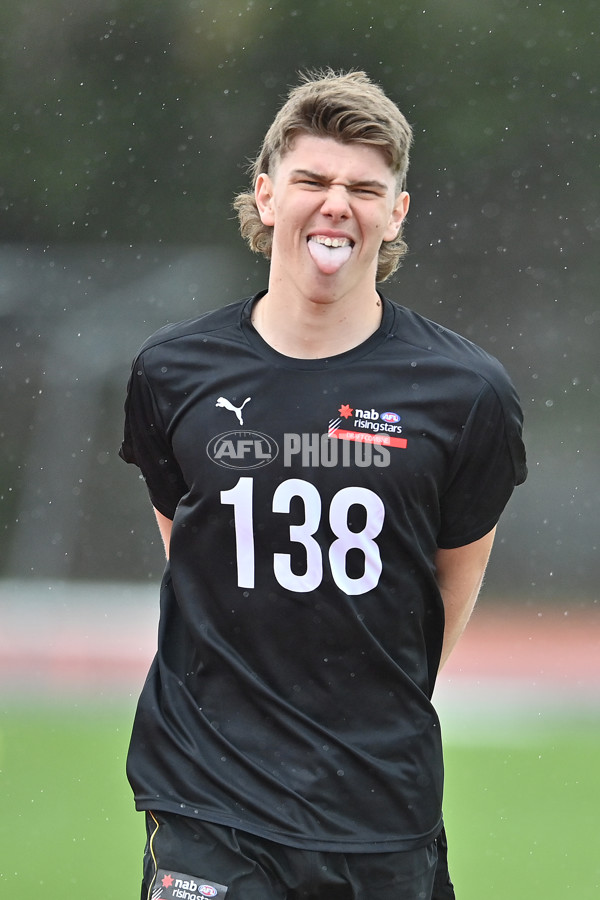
x=397, y=216
x=263, y=194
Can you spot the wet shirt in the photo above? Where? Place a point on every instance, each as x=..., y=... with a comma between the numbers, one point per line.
x=301, y=623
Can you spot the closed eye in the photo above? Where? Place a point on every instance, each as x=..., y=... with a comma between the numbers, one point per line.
x=306, y=177
x=367, y=191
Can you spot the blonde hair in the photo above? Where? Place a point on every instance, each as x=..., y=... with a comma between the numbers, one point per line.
x=347, y=107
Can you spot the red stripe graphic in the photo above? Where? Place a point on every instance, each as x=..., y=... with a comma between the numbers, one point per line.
x=366, y=437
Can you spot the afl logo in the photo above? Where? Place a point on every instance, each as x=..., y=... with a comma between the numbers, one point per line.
x=207, y=890
x=242, y=450
x=390, y=417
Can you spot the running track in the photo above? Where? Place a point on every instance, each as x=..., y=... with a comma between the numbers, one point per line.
x=65, y=639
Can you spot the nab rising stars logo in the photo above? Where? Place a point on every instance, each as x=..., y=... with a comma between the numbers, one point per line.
x=377, y=428
x=177, y=886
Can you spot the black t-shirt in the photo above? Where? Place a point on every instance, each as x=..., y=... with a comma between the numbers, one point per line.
x=301, y=624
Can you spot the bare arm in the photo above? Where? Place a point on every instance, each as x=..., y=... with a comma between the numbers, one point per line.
x=164, y=526
x=459, y=573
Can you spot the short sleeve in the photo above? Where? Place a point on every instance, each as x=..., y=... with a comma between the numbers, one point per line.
x=146, y=445
x=488, y=464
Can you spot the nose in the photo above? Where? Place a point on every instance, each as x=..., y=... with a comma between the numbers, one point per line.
x=336, y=202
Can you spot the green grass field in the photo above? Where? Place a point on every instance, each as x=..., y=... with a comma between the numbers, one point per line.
x=521, y=815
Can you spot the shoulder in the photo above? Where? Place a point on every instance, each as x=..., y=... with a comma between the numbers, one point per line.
x=217, y=320
x=448, y=349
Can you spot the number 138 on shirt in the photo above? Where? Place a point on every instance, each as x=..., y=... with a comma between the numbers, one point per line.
x=242, y=500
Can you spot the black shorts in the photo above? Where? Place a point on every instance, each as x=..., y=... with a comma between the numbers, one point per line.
x=188, y=859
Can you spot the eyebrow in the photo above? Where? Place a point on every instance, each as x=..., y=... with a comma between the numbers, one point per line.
x=317, y=176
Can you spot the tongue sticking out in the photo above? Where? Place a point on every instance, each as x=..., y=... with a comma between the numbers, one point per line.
x=329, y=259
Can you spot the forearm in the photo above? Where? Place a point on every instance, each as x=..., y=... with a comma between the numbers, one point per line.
x=459, y=573
x=164, y=526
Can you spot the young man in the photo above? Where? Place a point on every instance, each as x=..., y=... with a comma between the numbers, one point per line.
x=327, y=469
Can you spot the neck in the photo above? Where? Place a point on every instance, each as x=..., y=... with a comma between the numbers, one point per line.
x=316, y=329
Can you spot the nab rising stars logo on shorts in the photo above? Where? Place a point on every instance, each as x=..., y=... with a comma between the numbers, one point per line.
x=177, y=886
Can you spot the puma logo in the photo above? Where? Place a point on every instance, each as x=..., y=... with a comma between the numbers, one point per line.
x=223, y=401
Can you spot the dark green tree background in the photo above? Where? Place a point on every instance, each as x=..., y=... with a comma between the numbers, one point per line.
x=130, y=120
x=128, y=124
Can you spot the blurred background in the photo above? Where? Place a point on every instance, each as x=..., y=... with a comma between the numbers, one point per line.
x=125, y=131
